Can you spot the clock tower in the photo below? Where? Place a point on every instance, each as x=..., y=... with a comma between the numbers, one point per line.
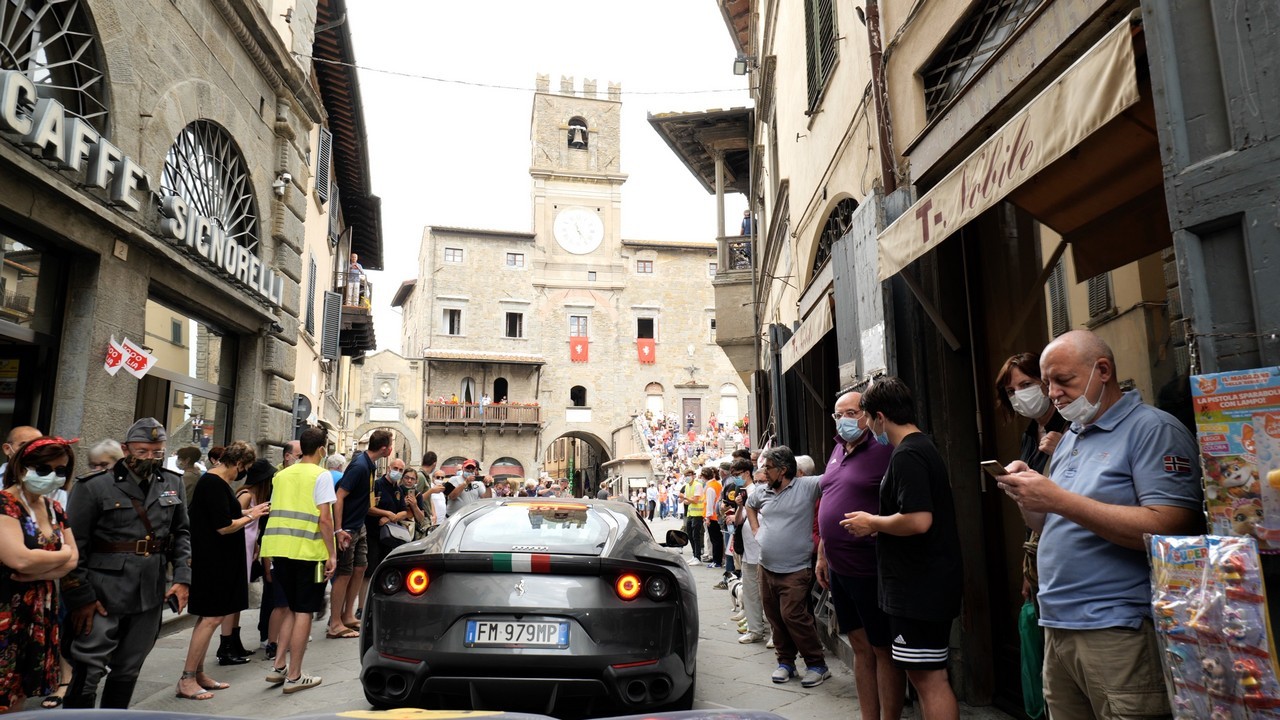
x=577, y=184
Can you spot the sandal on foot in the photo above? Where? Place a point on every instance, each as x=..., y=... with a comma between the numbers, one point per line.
x=202, y=695
x=214, y=685
x=346, y=632
x=54, y=701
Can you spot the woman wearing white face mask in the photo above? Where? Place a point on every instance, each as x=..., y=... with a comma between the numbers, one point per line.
x=1020, y=391
x=36, y=549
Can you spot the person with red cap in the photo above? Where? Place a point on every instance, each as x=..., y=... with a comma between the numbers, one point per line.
x=468, y=487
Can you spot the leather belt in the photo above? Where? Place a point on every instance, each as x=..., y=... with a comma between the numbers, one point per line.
x=144, y=547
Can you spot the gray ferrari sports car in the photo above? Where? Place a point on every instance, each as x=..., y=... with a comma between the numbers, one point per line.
x=559, y=606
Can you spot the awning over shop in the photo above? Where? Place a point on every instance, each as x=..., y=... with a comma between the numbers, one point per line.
x=809, y=334
x=1090, y=94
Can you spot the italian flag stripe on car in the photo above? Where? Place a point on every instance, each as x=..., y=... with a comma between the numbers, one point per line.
x=521, y=562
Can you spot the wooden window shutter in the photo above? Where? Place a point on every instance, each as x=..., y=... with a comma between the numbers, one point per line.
x=332, y=325
x=310, y=315
x=324, y=170
x=1100, y=302
x=1059, y=316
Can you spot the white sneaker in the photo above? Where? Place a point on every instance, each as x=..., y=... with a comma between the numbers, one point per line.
x=304, y=682
x=695, y=561
x=738, y=616
x=749, y=638
x=770, y=643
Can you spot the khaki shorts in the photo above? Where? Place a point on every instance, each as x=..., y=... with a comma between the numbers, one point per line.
x=1108, y=673
x=356, y=555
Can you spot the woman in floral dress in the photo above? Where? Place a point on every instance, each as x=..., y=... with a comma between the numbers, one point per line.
x=36, y=549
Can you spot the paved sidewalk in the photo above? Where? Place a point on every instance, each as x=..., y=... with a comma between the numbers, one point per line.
x=734, y=675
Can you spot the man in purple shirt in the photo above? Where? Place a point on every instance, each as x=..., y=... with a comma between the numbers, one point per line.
x=847, y=563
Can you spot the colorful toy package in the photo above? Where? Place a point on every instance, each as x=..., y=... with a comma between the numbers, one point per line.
x=1240, y=452
x=1210, y=612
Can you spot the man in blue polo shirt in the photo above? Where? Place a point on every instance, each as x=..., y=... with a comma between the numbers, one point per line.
x=1124, y=469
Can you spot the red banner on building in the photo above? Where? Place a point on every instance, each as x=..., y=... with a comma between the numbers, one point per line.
x=578, y=348
x=645, y=350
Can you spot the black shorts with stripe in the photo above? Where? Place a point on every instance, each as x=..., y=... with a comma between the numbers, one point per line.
x=919, y=644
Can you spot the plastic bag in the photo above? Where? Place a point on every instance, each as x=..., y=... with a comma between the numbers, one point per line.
x=1032, y=638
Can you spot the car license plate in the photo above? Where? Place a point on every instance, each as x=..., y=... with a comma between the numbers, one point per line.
x=505, y=633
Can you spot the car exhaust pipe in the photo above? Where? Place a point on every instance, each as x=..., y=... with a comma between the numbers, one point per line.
x=375, y=682
x=660, y=688
x=636, y=691
x=397, y=685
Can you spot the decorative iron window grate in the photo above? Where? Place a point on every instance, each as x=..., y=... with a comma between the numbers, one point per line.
x=205, y=168
x=838, y=223
x=820, y=46
x=53, y=43
x=967, y=50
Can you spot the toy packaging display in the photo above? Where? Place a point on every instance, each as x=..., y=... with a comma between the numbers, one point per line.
x=1238, y=429
x=1210, y=613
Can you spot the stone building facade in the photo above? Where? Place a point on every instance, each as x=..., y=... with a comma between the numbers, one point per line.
x=155, y=169
x=574, y=325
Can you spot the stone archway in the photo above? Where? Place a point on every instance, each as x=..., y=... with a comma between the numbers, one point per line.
x=586, y=478
x=415, y=445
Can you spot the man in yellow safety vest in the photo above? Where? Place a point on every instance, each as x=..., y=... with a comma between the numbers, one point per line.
x=299, y=539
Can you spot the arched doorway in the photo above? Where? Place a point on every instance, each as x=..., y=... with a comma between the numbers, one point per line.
x=499, y=390
x=577, y=456
x=728, y=404
x=404, y=443
x=453, y=465
x=653, y=393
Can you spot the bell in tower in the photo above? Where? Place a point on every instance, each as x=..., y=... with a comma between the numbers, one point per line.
x=578, y=134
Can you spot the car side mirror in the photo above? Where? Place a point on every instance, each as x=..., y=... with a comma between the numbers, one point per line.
x=676, y=539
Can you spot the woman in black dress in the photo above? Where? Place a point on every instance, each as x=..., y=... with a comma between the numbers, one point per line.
x=219, y=585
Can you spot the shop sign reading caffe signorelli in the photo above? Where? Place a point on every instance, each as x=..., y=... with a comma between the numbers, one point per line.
x=44, y=127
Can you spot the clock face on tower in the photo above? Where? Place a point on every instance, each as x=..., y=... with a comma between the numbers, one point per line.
x=578, y=230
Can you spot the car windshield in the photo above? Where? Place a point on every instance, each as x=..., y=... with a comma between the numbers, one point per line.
x=537, y=527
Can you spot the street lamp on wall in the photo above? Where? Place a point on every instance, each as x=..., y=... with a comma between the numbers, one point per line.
x=742, y=65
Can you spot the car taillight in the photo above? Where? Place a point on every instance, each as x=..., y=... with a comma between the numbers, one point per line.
x=628, y=586
x=417, y=581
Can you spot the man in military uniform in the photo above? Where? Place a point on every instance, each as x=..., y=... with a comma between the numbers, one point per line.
x=133, y=521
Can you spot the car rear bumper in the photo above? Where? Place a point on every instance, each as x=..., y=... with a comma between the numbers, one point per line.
x=478, y=682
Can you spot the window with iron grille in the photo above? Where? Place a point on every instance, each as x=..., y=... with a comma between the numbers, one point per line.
x=820, y=46
x=1059, y=317
x=975, y=41
x=1100, y=300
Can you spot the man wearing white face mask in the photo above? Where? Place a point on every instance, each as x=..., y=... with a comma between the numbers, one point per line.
x=1124, y=469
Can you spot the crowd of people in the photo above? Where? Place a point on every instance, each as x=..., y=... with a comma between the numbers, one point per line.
x=86, y=567
x=876, y=528
x=191, y=532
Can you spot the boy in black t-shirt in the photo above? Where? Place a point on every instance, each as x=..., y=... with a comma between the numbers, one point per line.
x=917, y=546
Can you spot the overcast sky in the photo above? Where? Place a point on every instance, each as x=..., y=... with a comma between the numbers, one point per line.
x=446, y=153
